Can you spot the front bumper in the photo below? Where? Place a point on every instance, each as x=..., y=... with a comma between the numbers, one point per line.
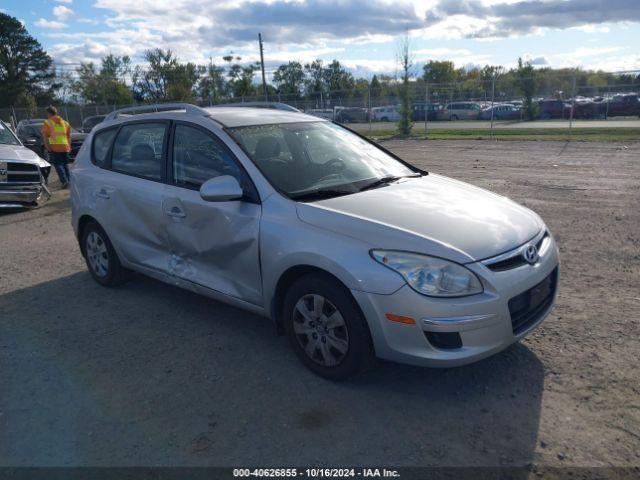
x=13, y=196
x=481, y=322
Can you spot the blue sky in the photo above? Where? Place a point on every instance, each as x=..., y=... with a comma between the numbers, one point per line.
x=363, y=34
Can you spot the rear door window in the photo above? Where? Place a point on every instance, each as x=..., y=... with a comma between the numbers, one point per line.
x=101, y=144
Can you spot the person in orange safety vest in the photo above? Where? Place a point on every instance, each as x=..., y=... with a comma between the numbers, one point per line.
x=57, y=140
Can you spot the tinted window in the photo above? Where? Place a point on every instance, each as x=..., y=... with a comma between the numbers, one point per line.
x=101, y=143
x=138, y=150
x=198, y=156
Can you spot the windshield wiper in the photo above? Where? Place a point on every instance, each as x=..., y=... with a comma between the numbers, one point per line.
x=385, y=180
x=319, y=194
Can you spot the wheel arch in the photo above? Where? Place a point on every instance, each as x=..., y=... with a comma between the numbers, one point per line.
x=83, y=221
x=288, y=278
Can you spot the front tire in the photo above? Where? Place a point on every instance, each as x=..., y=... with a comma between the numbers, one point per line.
x=326, y=328
x=101, y=258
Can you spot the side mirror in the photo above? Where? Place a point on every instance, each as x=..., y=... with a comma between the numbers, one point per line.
x=221, y=189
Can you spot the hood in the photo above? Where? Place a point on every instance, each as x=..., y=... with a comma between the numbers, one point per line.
x=18, y=153
x=432, y=214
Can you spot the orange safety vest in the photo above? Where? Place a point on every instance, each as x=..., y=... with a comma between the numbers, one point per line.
x=57, y=134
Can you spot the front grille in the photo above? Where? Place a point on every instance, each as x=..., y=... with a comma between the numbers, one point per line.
x=15, y=172
x=516, y=261
x=526, y=309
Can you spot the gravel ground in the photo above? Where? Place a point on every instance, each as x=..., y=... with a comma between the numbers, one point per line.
x=148, y=374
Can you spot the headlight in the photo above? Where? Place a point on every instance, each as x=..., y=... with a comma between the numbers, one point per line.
x=430, y=275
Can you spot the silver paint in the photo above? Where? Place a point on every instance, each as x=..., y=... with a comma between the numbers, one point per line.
x=237, y=251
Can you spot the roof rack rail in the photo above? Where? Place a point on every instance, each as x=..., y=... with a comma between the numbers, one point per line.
x=260, y=104
x=157, y=107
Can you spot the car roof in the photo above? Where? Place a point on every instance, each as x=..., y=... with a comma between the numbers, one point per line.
x=246, y=116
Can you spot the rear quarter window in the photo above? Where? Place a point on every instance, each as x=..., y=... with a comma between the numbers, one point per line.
x=101, y=143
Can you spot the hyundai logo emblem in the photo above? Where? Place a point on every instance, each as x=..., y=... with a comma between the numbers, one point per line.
x=530, y=254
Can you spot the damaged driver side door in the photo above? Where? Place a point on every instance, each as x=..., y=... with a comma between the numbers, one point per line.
x=211, y=244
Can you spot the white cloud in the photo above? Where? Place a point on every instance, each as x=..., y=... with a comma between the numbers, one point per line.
x=302, y=30
x=61, y=12
x=49, y=24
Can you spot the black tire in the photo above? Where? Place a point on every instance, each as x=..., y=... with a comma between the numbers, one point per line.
x=454, y=118
x=359, y=355
x=114, y=274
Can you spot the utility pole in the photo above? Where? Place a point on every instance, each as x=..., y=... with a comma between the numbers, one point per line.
x=264, y=80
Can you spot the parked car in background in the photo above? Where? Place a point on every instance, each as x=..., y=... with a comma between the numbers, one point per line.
x=502, y=111
x=418, y=110
x=351, y=252
x=23, y=173
x=326, y=113
x=351, y=115
x=459, y=111
x=624, y=105
x=30, y=134
x=389, y=113
x=587, y=108
x=553, y=109
x=90, y=122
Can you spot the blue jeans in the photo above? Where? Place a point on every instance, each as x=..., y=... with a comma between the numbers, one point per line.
x=59, y=160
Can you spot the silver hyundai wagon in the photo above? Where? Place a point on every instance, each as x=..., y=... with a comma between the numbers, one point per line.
x=353, y=253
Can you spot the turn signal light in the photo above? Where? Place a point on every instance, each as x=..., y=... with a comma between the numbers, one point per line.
x=400, y=319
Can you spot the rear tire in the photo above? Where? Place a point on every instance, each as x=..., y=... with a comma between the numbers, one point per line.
x=101, y=258
x=326, y=328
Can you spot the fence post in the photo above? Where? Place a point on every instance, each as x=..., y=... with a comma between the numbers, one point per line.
x=573, y=104
x=370, y=115
x=426, y=106
x=493, y=94
x=451, y=99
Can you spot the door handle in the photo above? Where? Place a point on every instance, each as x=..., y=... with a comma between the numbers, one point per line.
x=102, y=193
x=176, y=212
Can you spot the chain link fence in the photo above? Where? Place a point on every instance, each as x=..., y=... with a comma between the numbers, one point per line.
x=480, y=104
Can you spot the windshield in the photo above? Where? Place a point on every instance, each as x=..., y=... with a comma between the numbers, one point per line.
x=305, y=159
x=6, y=136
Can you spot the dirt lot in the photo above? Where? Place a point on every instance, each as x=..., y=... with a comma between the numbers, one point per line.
x=152, y=375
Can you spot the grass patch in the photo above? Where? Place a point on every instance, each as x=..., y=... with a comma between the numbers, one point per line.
x=580, y=134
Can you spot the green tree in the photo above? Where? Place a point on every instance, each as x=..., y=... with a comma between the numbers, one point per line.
x=105, y=86
x=336, y=77
x=289, y=78
x=165, y=78
x=240, y=76
x=526, y=82
x=440, y=72
x=376, y=87
x=404, y=57
x=212, y=84
x=25, y=68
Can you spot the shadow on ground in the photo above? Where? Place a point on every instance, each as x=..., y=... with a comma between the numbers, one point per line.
x=148, y=374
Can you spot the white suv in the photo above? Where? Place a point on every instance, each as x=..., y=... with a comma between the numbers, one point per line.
x=352, y=252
